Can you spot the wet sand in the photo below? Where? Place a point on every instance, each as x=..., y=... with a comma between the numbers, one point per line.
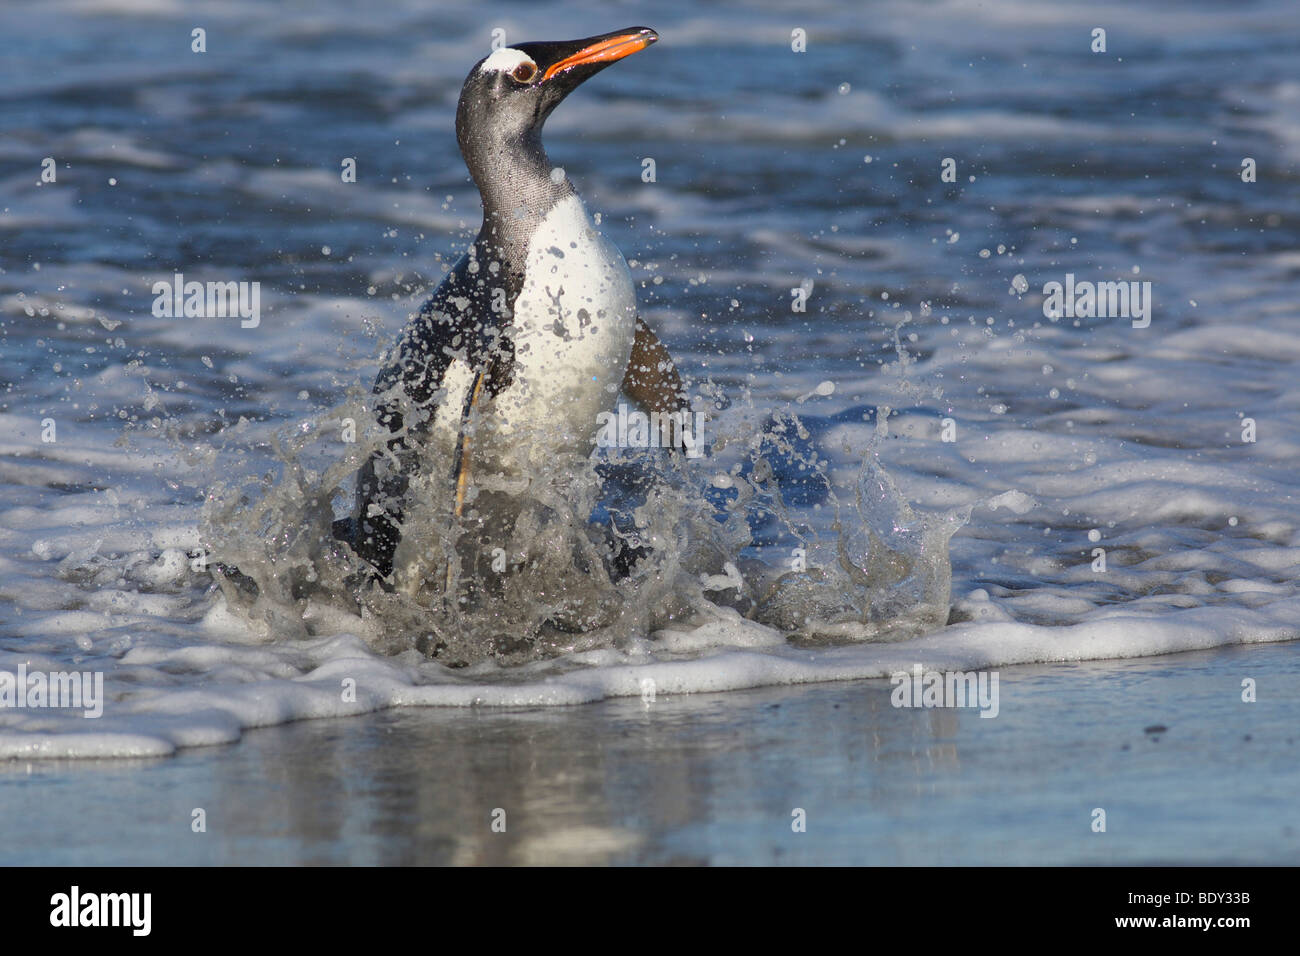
x=716, y=778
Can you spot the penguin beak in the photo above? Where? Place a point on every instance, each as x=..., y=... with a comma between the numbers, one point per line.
x=596, y=53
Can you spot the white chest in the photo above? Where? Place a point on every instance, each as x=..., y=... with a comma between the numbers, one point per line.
x=574, y=322
x=576, y=315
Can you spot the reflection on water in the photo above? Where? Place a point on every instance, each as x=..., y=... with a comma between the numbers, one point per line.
x=614, y=783
x=714, y=779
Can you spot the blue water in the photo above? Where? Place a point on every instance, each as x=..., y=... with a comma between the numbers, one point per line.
x=1171, y=447
x=714, y=779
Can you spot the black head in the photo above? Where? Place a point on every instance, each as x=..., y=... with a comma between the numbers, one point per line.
x=508, y=95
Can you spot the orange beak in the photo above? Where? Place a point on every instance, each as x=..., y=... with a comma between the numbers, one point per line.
x=605, y=51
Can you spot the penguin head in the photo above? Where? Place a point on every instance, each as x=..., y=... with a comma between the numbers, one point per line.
x=508, y=95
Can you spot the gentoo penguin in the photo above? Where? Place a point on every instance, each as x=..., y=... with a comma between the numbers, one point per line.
x=530, y=336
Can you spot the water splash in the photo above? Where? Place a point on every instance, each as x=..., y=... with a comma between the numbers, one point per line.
x=890, y=577
x=544, y=583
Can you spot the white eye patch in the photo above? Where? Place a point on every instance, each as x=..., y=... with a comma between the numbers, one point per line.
x=505, y=60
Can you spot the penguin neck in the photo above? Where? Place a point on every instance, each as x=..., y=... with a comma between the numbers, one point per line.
x=518, y=186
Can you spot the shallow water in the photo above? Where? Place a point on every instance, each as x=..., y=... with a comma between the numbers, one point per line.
x=716, y=778
x=774, y=170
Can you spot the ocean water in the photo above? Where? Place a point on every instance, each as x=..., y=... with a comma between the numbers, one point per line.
x=921, y=467
x=714, y=778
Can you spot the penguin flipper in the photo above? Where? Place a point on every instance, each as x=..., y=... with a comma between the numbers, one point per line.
x=654, y=384
x=652, y=379
x=411, y=385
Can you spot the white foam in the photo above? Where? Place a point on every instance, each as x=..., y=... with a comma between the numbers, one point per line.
x=1141, y=440
x=244, y=688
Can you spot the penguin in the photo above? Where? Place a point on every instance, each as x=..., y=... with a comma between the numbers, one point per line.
x=531, y=334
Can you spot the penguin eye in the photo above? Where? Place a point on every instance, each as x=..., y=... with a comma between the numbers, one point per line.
x=524, y=72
